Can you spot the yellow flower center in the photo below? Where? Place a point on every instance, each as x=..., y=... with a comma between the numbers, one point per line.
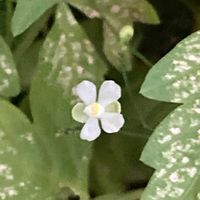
x=94, y=110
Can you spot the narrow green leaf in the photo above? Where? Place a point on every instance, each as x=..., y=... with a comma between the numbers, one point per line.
x=9, y=80
x=27, y=12
x=67, y=58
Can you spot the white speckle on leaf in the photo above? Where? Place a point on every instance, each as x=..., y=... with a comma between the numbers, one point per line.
x=169, y=76
x=115, y=9
x=175, y=177
x=80, y=69
x=29, y=137
x=76, y=46
x=58, y=15
x=175, y=130
x=197, y=110
x=161, y=173
x=165, y=139
x=71, y=19
x=185, y=160
x=90, y=59
x=192, y=171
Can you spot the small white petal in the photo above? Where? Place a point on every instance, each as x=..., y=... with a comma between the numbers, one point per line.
x=90, y=130
x=112, y=122
x=86, y=91
x=109, y=92
x=78, y=113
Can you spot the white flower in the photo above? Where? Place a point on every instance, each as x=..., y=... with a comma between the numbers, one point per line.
x=104, y=109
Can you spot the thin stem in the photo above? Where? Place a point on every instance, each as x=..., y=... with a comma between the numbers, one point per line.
x=147, y=62
x=146, y=126
x=9, y=11
x=72, y=130
x=139, y=135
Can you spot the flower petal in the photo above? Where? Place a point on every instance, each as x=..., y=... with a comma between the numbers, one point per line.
x=86, y=91
x=78, y=113
x=90, y=130
x=109, y=92
x=112, y=122
x=113, y=107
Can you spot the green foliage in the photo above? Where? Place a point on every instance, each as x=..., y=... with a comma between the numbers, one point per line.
x=20, y=180
x=28, y=12
x=119, y=165
x=116, y=15
x=9, y=80
x=43, y=157
x=174, y=146
x=43, y=175
x=67, y=57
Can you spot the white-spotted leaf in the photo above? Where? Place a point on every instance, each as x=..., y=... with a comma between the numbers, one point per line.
x=31, y=164
x=67, y=57
x=23, y=171
x=116, y=15
x=173, y=149
x=176, y=77
x=9, y=80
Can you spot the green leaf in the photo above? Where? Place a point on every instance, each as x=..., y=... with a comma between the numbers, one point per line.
x=67, y=57
x=9, y=80
x=18, y=149
x=27, y=12
x=116, y=15
x=27, y=64
x=173, y=149
x=176, y=77
x=117, y=52
x=31, y=170
x=120, y=166
x=118, y=11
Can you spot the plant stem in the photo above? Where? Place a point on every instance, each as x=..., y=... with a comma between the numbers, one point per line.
x=139, y=135
x=142, y=58
x=9, y=11
x=146, y=126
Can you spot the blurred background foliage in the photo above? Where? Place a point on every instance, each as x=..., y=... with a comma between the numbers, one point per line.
x=114, y=167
